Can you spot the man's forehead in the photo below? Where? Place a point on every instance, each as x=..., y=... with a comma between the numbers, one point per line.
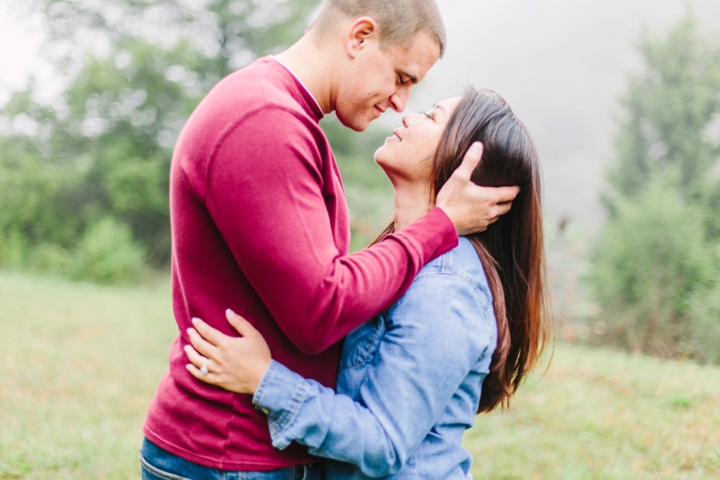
x=414, y=60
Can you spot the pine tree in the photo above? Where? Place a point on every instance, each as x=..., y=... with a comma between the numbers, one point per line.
x=658, y=252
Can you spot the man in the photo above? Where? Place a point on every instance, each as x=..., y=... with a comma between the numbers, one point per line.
x=260, y=223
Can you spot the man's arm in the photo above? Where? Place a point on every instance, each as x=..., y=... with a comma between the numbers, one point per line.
x=264, y=192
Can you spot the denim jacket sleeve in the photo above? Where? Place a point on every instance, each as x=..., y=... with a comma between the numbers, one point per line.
x=435, y=335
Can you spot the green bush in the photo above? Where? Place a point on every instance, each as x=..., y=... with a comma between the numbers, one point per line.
x=50, y=258
x=107, y=253
x=705, y=318
x=38, y=201
x=14, y=250
x=656, y=260
x=652, y=260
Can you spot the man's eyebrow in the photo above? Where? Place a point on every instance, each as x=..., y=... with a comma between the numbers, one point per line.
x=413, y=79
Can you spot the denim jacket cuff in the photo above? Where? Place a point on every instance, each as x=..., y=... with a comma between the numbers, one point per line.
x=280, y=395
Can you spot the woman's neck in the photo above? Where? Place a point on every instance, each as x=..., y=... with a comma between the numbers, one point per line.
x=411, y=203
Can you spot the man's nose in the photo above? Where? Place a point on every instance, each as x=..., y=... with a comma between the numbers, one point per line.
x=399, y=99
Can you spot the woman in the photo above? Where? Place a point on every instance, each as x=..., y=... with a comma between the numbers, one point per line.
x=472, y=322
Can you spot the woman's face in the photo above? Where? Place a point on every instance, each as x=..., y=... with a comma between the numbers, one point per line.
x=407, y=154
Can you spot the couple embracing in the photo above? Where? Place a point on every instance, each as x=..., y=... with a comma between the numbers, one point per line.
x=296, y=360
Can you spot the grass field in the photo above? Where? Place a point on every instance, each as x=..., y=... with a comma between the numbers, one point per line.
x=79, y=364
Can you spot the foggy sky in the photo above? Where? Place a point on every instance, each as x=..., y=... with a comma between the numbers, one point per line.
x=561, y=65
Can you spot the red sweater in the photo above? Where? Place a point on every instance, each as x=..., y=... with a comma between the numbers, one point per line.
x=260, y=225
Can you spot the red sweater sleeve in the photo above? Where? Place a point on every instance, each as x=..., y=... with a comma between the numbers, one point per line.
x=265, y=193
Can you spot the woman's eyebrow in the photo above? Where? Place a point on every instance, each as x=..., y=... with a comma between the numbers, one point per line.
x=438, y=106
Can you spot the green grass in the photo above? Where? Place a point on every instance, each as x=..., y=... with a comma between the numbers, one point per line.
x=79, y=364
x=599, y=414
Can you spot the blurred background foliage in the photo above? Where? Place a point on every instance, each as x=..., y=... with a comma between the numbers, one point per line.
x=656, y=267
x=83, y=177
x=93, y=162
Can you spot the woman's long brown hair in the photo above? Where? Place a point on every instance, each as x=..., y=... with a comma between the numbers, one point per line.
x=511, y=249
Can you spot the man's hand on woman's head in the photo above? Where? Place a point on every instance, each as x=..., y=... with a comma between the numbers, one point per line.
x=472, y=208
x=236, y=364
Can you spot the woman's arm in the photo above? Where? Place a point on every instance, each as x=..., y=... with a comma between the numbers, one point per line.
x=435, y=335
x=272, y=213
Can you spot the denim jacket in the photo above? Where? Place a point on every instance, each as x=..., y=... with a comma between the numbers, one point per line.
x=409, y=382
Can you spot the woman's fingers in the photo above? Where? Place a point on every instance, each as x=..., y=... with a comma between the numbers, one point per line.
x=243, y=327
x=195, y=372
x=236, y=364
x=194, y=357
x=201, y=345
x=210, y=334
x=197, y=361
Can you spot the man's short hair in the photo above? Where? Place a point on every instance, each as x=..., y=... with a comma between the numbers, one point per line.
x=398, y=20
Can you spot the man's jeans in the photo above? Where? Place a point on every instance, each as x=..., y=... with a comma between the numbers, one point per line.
x=158, y=464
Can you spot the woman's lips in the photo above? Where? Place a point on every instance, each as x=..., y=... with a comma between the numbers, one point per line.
x=397, y=135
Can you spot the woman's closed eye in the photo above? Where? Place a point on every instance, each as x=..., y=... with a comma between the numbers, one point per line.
x=428, y=115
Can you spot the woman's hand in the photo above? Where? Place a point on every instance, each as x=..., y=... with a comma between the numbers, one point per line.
x=235, y=364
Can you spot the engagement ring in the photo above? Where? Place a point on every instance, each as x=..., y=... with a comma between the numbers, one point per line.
x=204, y=370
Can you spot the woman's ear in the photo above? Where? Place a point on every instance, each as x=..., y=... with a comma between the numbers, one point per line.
x=362, y=31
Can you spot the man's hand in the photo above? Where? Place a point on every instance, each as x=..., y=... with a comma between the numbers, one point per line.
x=472, y=208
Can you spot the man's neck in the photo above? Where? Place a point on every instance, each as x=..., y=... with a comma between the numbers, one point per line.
x=309, y=64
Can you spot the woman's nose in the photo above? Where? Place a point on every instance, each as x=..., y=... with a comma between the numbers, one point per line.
x=410, y=118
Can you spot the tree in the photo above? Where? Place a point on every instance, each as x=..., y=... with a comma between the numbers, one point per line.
x=669, y=108
x=654, y=259
x=133, y=70
x=657, y=248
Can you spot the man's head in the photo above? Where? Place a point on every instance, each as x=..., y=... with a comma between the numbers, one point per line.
x=388, y=46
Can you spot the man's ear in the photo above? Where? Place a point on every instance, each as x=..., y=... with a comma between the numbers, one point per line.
x=364, y=29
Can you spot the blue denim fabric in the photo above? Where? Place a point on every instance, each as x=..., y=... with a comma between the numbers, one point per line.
x=409, y=384
x=158, y=464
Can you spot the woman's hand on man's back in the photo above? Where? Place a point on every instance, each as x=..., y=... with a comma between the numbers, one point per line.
x=237, y=364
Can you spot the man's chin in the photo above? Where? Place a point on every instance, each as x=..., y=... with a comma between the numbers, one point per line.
x=358, y=124
x=361, y=128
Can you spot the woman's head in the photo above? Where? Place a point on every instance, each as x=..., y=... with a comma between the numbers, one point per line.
x=406, y=156
x=427, y=150
x=511, y=250
x=430, y=145
x=509, y=156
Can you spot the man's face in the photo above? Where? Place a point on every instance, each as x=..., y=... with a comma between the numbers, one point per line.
x=379, y=79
